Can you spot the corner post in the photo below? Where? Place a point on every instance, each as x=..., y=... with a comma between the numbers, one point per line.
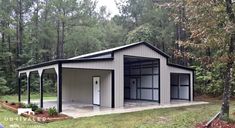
x=113, y=90
x=59, y=87
x=40, y=72
x=28, y=86
x=19, y=87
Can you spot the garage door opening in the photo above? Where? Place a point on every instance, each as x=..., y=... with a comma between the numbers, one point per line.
x=142, y=79
x=180, y=86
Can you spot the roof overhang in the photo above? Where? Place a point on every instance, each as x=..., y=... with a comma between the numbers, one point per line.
x=61, y=61
x=180, y=66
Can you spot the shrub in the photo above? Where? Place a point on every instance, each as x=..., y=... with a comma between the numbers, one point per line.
x=39, y=111
x=6, y=101
x=22, y=105
x=52, y=111
x=13, y=103
x=33, y=106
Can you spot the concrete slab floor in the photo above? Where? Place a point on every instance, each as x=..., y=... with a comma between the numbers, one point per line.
x=76, y=110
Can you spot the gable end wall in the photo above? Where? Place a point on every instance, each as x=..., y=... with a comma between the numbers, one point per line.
x=140, y=51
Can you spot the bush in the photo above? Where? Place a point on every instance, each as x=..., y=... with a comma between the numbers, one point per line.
x=33, y=106
x=52, y=111
x=39, y=111
x=22, y=105
x=13, y=103
x=3, y=88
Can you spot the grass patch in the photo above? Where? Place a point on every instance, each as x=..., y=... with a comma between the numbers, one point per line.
x=14, y=98
x=181, y=117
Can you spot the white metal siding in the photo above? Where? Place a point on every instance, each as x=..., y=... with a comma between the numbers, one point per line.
x=77, y=86
x=118, y=65
x=139, y=51
x=90, y=65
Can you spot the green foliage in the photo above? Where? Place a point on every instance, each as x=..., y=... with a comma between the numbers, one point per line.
x=71, y=28
x=88, y=29
x=143, y=32
x=23, y=105
x=208, y=81
x=3, y=88
x=52, y=111
x=33, y=106
x=148, y=22
x=39, y=111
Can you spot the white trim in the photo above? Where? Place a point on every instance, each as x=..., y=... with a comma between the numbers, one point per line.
x=39, y=70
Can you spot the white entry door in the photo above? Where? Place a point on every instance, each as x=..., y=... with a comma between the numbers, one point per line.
x=96, y=90
x=133, y=83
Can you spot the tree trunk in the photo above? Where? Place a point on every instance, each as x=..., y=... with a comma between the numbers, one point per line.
x=20, y=27
x=58, y=41
x=45, y=56
x=228, y=81
x=62, y=36
x=62, y=41
x=36, y=32
x=19, y=31
x=3, y=36
x=229, y=69
x=9, y=50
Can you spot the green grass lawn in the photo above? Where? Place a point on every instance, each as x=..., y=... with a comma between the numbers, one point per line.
x=14, y=98
x=182, y=117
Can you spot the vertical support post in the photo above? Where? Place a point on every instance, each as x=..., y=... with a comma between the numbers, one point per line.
x=193, y=82
x=113, y=90
x=59, y=88
x=19, y=88
x=40, y=72
x=28, y=86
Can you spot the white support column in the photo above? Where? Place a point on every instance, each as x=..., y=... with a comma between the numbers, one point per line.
x=28, y=85
x=40, y=73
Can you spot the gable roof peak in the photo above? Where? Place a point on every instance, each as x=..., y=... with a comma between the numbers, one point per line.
x=111, y=50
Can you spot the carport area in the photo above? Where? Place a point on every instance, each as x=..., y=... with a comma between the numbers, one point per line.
x=86, y=86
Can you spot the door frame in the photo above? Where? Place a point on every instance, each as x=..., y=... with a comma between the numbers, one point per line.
x=158, y=74
x=189, y=89
x=93, y=91
x=136, y=86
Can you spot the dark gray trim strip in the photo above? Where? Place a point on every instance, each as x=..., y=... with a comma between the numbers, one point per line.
x=113, y=90
x=19, y=89
x=41, y=89
x=159, y=82
x=193, y=85
x=28, y=88
x=180, y=66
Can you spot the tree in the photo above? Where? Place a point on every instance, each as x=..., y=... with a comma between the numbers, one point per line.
x=230, y=61
x=63, y=9
x=147, y=21
x=210, y=24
